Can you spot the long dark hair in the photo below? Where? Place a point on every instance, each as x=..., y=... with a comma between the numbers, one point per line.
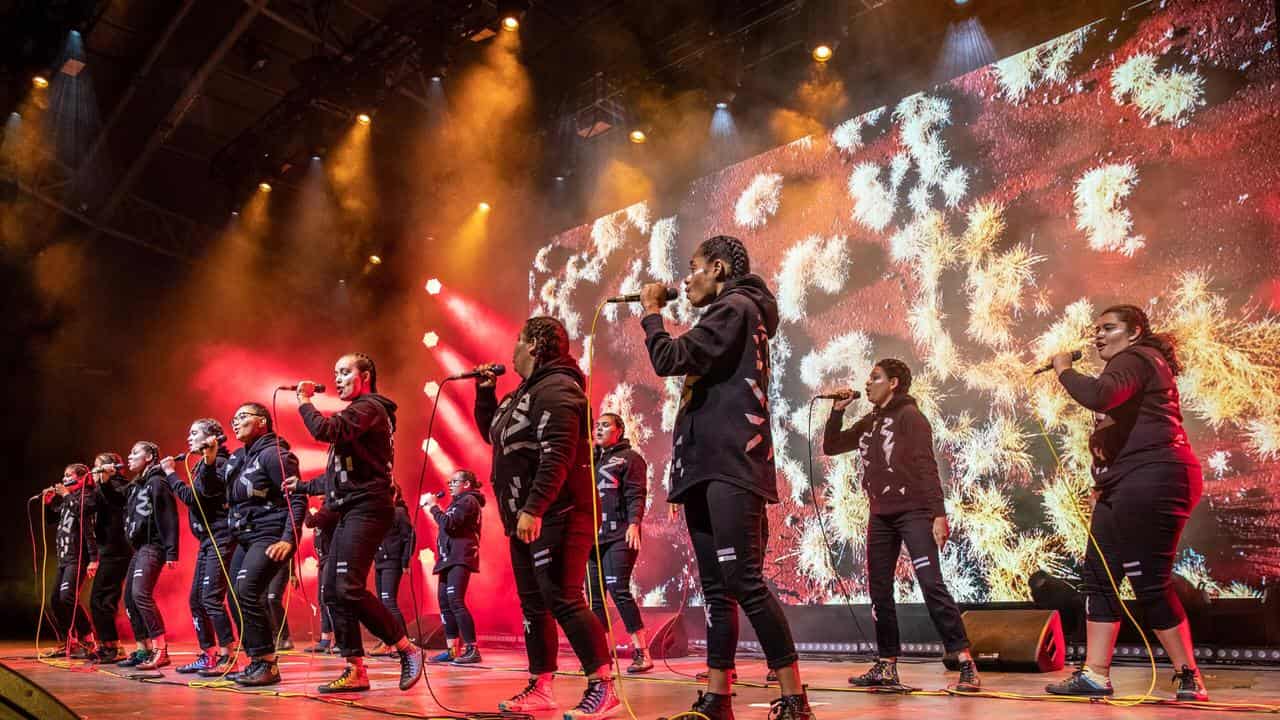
x=728, y=250
x=1133, y=317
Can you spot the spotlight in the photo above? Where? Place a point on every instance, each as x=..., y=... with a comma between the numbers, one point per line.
x=510, y=23
x=431, y=388
x=40, y=82
x=430, y=446
x=822, y=53
x=431, y=339
x=483, y=207
x=315, y=158
x=511, y=12
x=264, y=186
x=638, y=137
x=235, y=213
x=375, y=260
x=364, y=119
x=434, y=287
x=722, y=105
x=559, y=178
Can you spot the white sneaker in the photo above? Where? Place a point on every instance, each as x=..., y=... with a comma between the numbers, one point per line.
x=535, y=697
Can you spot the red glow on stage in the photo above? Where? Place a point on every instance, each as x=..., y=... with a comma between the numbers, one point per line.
x=484, y=330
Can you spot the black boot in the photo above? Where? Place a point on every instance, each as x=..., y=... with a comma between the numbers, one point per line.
x=713, y=706
x=791, y=707
x=259, y=673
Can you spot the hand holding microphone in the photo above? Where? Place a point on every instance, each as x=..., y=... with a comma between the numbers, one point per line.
x=485, y=375
x=843, y=398
x=653, y=296
x=1060, y=362
x=304, y=390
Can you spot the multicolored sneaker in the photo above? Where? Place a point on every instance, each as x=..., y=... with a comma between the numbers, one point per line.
x=156, y=660
x=443, y=657
x=535, y=697
x=203, y=662
x=968, y=680
x=219, y=667
x=882, y=674
x=1081, y=683
x=321, y=646
x=411, y=662
x=1191, y=685
x=262, y=672
x=107, y=654
x=135, y=658
x=640, y=662
x=599, y=700
x=355, y=678
x=791, y=707
x=83, y=651
x=470, y=656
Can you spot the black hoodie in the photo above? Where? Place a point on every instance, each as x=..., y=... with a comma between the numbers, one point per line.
x=621, y=485
x=108, y=522
x=722, y=431
x=74, y=515
x=539, y=437
x=322, y=522
x=151, y=515
x=899, y=471
x=213, y=507
x=361, y=452
x=251, y=480
x=458, y=541
x=397, y=546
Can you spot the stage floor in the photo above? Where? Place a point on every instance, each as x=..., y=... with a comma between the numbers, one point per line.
x=109, y=693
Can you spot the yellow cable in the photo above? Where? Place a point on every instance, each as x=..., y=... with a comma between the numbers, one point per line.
x=231, y=590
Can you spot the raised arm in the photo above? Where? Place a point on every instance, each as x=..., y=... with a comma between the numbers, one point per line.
x=718, y=333
x=1124, y=377
x=557, y=414
x=836, y=440
x=345, y=425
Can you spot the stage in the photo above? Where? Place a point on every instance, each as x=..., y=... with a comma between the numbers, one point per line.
x=110, y=692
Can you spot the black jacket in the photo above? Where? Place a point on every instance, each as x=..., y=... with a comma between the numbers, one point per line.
x=151, y=515
x=322, y=522
x=621, y=485
x=458, y=541
x=108, y=522
x=361, y=452
x=396, y=549
x=74, y=517
x=251, y=480
x=722, y=431
x=213, y=507
x=899, y=471
x=1137, y=393
x=540, y=451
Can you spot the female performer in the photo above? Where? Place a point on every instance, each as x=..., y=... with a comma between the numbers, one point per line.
x=151, y=524
x=391, y=563
x=114, y=553
x=71, y=505
x=1146, y=482
x=457, y=558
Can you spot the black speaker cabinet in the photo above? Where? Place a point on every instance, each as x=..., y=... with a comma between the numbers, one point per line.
x=1014, y=640
x=432, y=636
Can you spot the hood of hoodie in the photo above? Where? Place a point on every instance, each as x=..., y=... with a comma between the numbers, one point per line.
x=623, y=444
x=473, y=493
x=896, y=402
x=267, y=440
x=753, y=287
x=565, y=365
x=148, y=473
x=387, y=403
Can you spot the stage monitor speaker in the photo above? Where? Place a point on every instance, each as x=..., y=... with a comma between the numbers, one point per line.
x=22, y=699
x=432, y=635
x=670, y=640
x=1014, y=640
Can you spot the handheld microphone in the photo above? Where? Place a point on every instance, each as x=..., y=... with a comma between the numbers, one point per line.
x=672, y=294
x=208, y=443
x=494, y=369
x=319, y=387
x=1075, y=355
x=851, y=395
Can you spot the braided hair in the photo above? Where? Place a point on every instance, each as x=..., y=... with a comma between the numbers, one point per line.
x=895, y=368
x=151, y=448
x=728, y=250
x=1134, y=318
x=364, y=363
x=80, y=470
x=547, y=339
x=210, y=427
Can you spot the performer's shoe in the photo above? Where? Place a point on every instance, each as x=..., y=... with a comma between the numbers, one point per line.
x=411, y=662
x=156, y=660
x=284, y=645
x=470, y=656
x=705, y=675
x=791, y=707
x=135, y=658
x=443, y=657
x=1080, y=683
x=1191, y=685
x=380, y=649
x=259, y=673
x=218, y=667
x=355, y=678
x=881, y=674
x=107, y=654
x=83, y=651
x=598, y=701
x=56, y=652
x=640, y=662
x=713, y=706
x=321, y=646
x=535, y=697
x=969, y=681
x=204, y=662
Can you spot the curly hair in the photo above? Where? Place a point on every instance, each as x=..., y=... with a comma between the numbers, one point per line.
x=1133, y=317
x=728, y=250
x=547, y=338
x=895, y=368
x=364, y=363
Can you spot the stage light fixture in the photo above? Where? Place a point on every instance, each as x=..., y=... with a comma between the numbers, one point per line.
x=430, y=446
x=511, y=23
x=510, y=12
x=822, y=53
x=638, y=137
x=430, y=339
x=375, y=260
x=40, y=82
x=434, y=287
x=364, y=118
x=431, y=388
x=722, y=105
x=264, y=186
x=484, y=207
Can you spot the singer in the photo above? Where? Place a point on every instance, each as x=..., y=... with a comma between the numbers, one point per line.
x=207, y=519
x=322, y=522
x=900, y=476
x=722, y=461
x=151, y=524
x=457, y=558
x=542, y=484
x=71, y=504
x=1147, y=480
x=357, y=484
x=114, y=553
x=621, y=475
x=391, y=563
